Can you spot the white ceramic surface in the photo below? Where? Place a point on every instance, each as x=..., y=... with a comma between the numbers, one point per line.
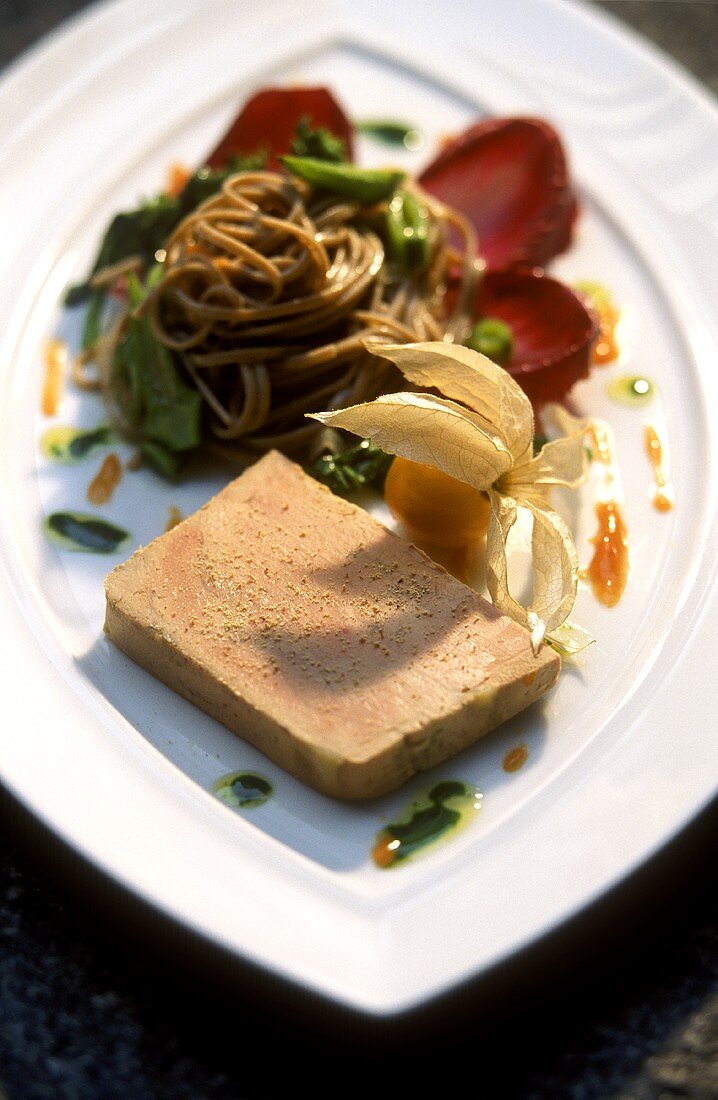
x=622, y=754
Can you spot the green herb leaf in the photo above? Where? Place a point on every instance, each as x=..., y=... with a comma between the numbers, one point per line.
x=320, y=144
x=365, y=185
x=161, y=459
x=362, y=466
x=143, y=231
x=92, y=325
x=148, y=386
x=132, y=233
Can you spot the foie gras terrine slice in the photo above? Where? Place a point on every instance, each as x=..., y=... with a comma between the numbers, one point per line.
x=331, y=644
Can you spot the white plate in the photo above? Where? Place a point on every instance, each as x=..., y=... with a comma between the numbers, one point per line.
x=622, y=755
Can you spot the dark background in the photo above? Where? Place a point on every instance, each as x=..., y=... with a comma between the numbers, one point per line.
x=99, y=999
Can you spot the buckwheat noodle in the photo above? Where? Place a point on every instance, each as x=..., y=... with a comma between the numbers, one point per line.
x=270, y=292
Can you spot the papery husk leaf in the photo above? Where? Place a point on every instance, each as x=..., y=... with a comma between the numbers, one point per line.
x=559, y=462
x=559, y=420
x=555, y=567
x=554, y=564
x=430, y=430
x=473, y=379
x=503, y=515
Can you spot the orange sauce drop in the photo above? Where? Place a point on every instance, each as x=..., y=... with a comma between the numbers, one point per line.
x=607, y=572
x=55, y=366
x=105, y=480
x=515, y=758
x=600, y=445
x=177, y=178
x=662, y=496
x=606, y=347
x=384, y=851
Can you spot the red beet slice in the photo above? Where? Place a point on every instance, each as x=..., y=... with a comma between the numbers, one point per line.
x=509, y=177
x=552, y=330
x=268, y=121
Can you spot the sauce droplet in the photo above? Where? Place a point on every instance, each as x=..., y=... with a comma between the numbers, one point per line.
x=515, y=758
x=608, y=315
x=631, y=389
x=71, y=445
x=177, y=177
x=392, y=133
x=243, y=790
x=105, y=481
x=55, y=367
x=607, y=572
x=79, y=531
x=662, y=494
x=432, y=816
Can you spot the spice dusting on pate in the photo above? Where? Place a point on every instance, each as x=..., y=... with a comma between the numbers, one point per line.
x=334, y=646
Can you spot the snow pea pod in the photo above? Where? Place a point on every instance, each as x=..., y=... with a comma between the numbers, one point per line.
x=365, y=185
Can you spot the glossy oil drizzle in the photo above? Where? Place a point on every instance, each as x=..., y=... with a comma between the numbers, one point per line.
x=105, y=481
x=71, y=445
x=515, y=758
x=662, y=495
x=79, y=531
x=608, y=315
x=606, y=349
x=243, y=790
x=632, y=390
x=434, y=815
x=607, y=572
x=55, y=367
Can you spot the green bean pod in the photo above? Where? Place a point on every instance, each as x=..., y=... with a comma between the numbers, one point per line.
x=365, y=185
x=407, y=223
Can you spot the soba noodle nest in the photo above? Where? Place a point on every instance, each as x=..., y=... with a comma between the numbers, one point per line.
x=271, y=290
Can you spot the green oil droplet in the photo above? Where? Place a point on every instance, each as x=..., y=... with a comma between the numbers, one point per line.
x=243, y=790
x=432, y=816
x=392, y=133
x=81, y=531
x=631, y=389
x=598, y=294
x=70, y=445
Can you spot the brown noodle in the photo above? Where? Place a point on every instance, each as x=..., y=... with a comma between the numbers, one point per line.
x=270, y=292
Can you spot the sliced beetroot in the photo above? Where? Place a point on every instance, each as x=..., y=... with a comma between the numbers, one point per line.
x=509, y=177
x=553, y=332
x=268, y=121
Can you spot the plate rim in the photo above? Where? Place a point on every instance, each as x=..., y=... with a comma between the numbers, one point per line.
x=392, y=1001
